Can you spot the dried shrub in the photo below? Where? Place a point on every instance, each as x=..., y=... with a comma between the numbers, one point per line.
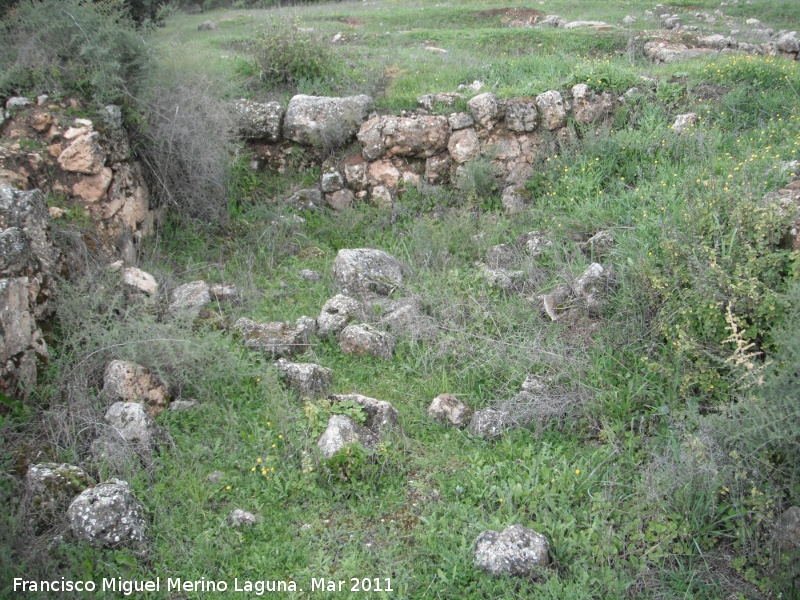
x=186, y=142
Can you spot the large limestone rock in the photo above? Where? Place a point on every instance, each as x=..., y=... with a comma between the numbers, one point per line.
x=366, y=271
x=552, y=108
x=49, y=489
x=277, y=338
x=464, y=145
x=684, y=122
x=139, y=280
x=130, y=432
x=341, y=431
x=129, y=382
x=325, y=122
x=28, y=261
x=517, y=551
x=522, y=114
x=787, y=529
x=380, y=415
x=305, y=379
x=421, y=136
x=485, y=109
x=83, y=155
x=365, y=339
x=587, y=106
x=108, y=515
x=661, y=51
x=489, y=423
x=449, y=409
x=190, y=297
x=335, y=315
x=260, y=121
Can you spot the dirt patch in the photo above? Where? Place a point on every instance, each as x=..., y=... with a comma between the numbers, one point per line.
x=527, y=15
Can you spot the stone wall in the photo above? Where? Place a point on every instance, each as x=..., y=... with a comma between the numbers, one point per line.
x=85, y=166
x=514, y=133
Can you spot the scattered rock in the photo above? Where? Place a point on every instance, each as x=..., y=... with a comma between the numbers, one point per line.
x=517, y=551
x=382, y=197
x=383, y=173
x=224, y=293
x=18, y=103
x=207, y=26
x=131, y=431
x=662, y=51
x=489, y=423
x=276, y=338
x=684, y=122
x=260, y=121
x=325, y=122
x=49, y=489
x=306, y=379
x=341, y=431
x=448, y=408
x=504, y=279
x=600, y=244
x=365, y=271
x=501, y=256
x=788, y=42
x=716, y=42
x=309, y=275
x=513, y=200
x=139, y=280
x=553, y=21
x=365, y=339
x=534, y=242
x=586, y=293
x=335, y=315
x=107, y=515
x=380, y=415
x=629, y=20
x=786, y=531
x=183, y=405
x=587, y=24
x=241, y=518
x=406, y=316
x=128, y=382
x=306, y=198
x=190, y=297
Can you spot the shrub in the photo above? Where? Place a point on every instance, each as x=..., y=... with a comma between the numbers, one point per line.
x=287, y=55
x=70, y=46
x=186, y=142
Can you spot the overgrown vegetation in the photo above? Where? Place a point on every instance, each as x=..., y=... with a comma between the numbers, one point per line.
x=71, y=47
x=664, y=446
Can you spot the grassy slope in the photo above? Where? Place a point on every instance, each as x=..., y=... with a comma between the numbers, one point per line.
x=586, y=483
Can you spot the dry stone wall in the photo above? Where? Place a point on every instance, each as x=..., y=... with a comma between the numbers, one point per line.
x=416, y=146
x=85, y=165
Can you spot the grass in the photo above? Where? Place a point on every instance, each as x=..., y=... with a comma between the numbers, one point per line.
x=631, y=487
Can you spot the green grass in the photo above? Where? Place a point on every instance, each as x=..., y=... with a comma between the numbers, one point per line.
x=635, y=495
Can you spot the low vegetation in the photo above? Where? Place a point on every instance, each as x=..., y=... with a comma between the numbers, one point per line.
x=667, y=450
